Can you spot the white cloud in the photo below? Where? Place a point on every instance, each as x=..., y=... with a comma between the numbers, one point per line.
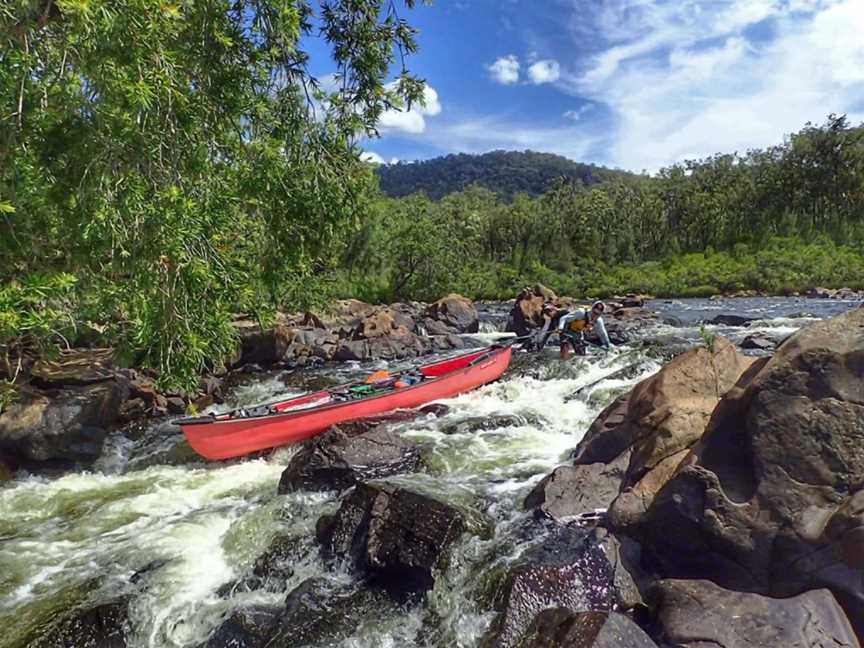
x=413, y=120
x=547, y=71
x=692, y=82
x=576, y=115
x=505, y=70
x=372, y=156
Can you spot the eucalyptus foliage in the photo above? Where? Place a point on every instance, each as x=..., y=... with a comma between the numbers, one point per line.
x=177, y=160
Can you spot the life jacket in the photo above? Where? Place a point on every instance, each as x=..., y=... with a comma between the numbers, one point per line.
x=581, y=324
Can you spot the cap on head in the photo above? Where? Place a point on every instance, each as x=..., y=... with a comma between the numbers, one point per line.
x=598, y=307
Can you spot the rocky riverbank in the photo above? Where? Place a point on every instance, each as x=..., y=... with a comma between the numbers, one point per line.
x=732, y=484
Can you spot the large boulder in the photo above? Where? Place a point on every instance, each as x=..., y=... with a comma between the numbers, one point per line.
x=452, y=314
x=661, y=418
x=568, y=569
x=695, y=614
x=561, y=628
x=527, y=311
x=399, y=537
x=339, y=459
x=263, y=346
x=61, y=427
x=399, y=343
x=769, y=500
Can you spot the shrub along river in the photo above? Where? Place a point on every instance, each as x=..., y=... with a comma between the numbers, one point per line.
x=174, y=537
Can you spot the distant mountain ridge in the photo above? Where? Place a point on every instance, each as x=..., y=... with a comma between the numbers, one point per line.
x=504, y=172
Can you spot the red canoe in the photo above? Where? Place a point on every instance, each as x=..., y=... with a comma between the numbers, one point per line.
x=240, y=432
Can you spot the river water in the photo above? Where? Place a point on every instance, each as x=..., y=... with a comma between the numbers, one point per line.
x=153, y=523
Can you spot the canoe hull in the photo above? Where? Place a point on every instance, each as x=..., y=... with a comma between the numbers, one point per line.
x=224, y=439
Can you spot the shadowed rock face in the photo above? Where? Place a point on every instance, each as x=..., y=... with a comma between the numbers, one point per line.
x=561, y=628
x=697, y=614
x=567, y=570
x=769, y=499
x=64, y=426
x=398, y=537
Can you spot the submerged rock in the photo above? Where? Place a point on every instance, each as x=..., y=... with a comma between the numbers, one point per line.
x=248, y=627
x=345, y=455
x=731, y=320
x=692, y=614
x=400, y=538
x=561, y=628
x=103, y=626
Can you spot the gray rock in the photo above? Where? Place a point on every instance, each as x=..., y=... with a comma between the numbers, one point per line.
x=781, y=459
x=61, y=426
x=699, y=614
x=561, y=628
x=571, y=490
x=399, y=537
x=339, y=459
x=568, y=570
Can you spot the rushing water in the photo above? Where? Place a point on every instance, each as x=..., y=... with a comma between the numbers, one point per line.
x=167, y=530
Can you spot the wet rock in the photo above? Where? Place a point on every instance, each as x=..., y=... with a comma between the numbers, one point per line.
x=398, y=537
x=176, y=405
x=561, y=628
x=731, y=320
x=103, y=626
x=693, y=614
x=62, y=426
x=759, y=342
x=567, y=570
x=75, y=367
x=446, y=342
x=571, y=490
x=782, y=456
x=147, y=570
x=452, y=314
x=338, y=459
x=248, y=627
x=480, y=423
x=320, y=612
x=526, y=313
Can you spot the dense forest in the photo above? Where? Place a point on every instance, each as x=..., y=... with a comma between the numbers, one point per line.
x=152, y=188
x=505, y=173
x=776, y=220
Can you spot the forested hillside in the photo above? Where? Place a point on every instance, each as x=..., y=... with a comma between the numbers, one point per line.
x=505, y=173
x=777, y=220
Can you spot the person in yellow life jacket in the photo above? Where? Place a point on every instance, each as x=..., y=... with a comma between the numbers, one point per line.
x=572, y=327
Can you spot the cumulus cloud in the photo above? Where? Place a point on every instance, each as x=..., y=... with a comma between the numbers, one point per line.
x=372, y=157
x=413, y=120
x=696, y=82
x=547, y=71
x=505, y=70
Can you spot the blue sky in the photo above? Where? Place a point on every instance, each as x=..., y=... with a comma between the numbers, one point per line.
x=635, y=84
